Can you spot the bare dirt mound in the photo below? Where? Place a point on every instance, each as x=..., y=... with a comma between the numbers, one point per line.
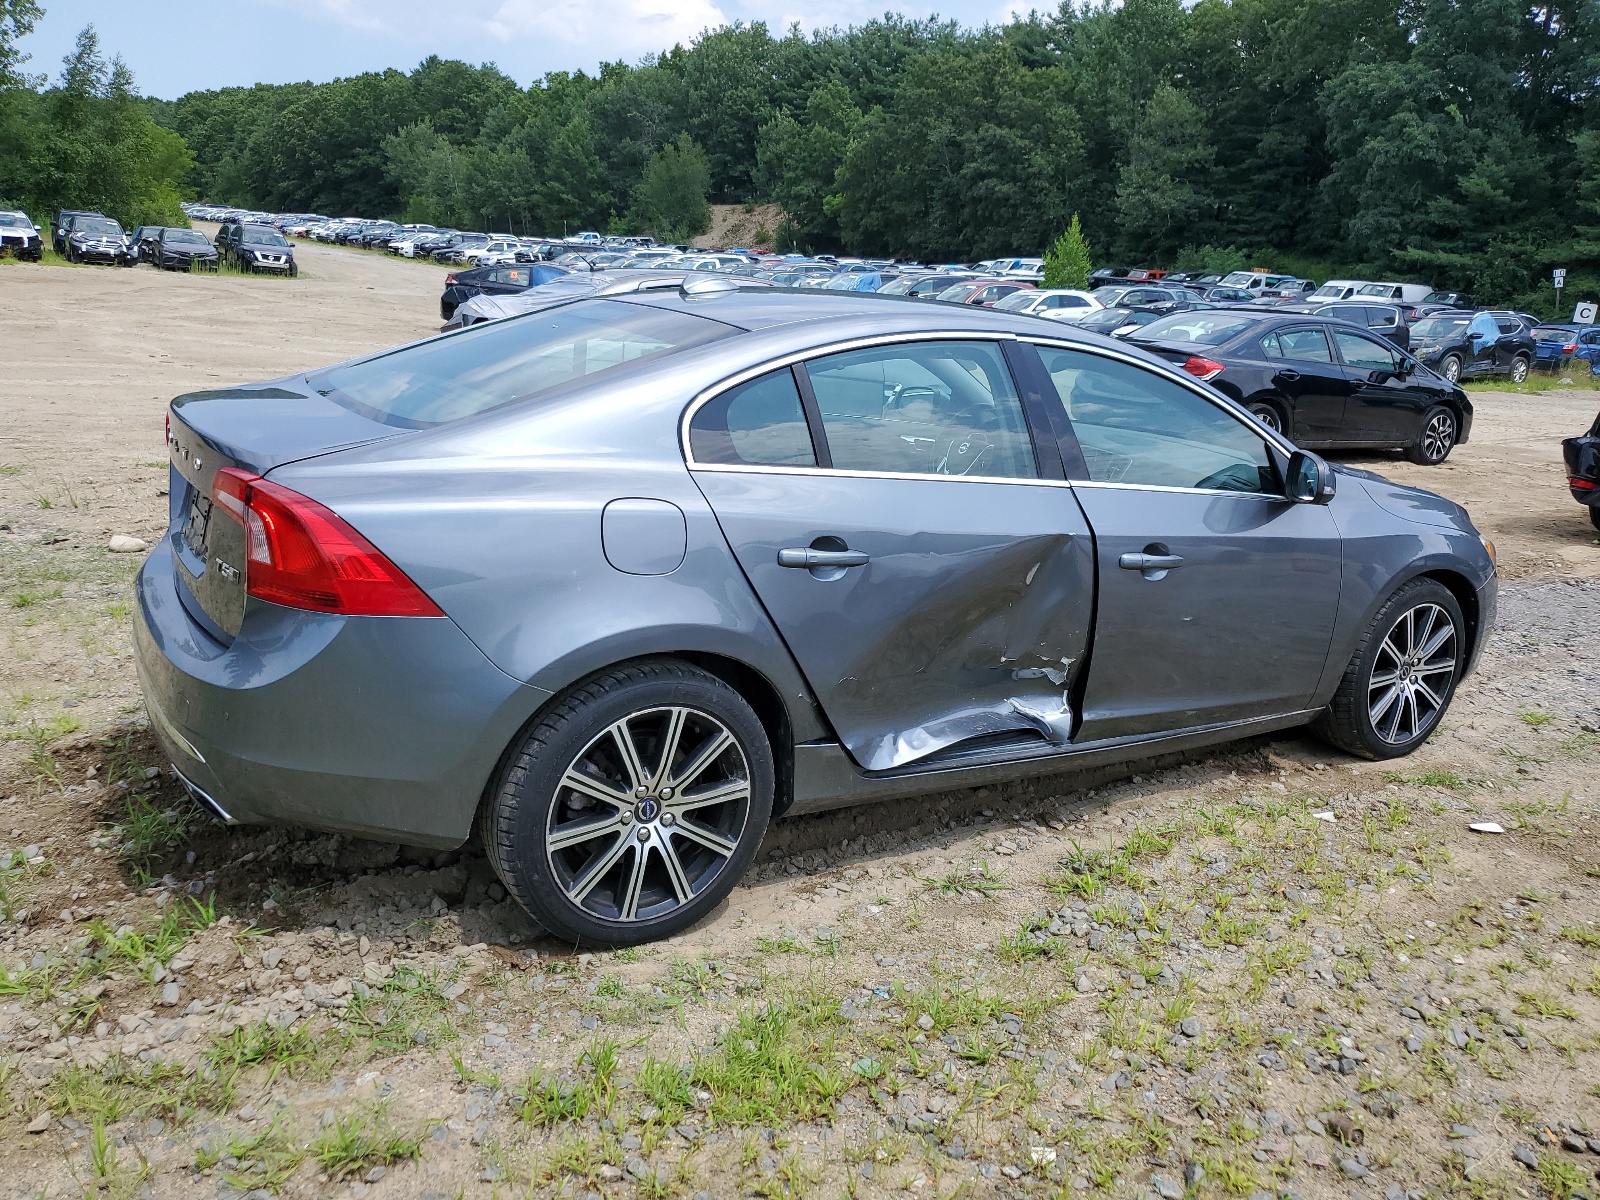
x=750, y=225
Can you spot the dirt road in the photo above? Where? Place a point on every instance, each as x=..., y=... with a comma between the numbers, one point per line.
x=1274, y=968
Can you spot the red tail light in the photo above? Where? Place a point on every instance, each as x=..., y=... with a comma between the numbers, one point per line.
x=1570, y=348
x=449, y=279
x=303, y=555
x=1203, y=368
x=1582, y=485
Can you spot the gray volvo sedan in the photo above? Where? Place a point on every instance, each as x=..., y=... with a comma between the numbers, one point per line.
x=622, y=579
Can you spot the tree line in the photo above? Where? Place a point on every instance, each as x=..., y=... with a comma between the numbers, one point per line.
x=1453, y=141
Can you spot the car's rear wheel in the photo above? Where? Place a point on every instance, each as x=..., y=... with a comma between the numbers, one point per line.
x=1594, y=515
x=1436, y=438
x=631, y=809
x=1519, y=369
x=1450, y=368
x=1267, y=415
x=1402, y=676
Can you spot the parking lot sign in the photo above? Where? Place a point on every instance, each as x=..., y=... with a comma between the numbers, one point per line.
x=1584, y=314
x=1560, y=276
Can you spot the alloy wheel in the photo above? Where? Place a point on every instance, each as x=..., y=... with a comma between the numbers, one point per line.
x=1411, y=674
x=648, y=814
x=1519, y=370
x=1438, y=437
x=1451, y=369
x=1268, y=416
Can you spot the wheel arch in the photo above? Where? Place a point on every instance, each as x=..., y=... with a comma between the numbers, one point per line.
x=752, y=685
x=1277, y=403
x=1459, y=586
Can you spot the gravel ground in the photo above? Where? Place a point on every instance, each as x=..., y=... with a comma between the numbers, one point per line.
x=1269, y=970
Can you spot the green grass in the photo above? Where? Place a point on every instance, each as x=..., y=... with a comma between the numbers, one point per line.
x=124, y=1088
x=361, y=1140
x=1535, y=719
x=1536, y=383
x=293, y=1051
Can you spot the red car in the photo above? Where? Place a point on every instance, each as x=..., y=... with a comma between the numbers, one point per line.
x=983, y=292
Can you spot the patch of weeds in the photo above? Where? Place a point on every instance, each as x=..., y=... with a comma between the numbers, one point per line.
x=1087, y=873
x=1589, y=939
x=121, y=1088
x=1434, y=779
x=549, y=1099
x=292, y=1051
x=773, y=1067
x=112, y=1178
x=610, y=987
x=1540, y=1004
x=666, y=1086
x=409, y=1009
x=783, y=943
x=362, y=1140
x=148, y=832
x=1559, y=1178
x=267, y=1160
x=1535, y=719
x=974, y=881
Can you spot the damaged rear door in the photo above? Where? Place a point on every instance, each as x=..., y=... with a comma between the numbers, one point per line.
x=887, y=505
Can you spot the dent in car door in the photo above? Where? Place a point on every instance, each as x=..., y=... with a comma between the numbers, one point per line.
x=932, y=589
x=1216, y=597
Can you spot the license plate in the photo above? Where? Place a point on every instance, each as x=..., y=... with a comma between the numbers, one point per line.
x=194, y=527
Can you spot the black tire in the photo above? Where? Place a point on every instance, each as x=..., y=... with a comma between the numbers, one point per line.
x=1450, y=368
x=1436, y=438
x=1267, y=414
x=1357, y=721
x=294, y=270
x=1594, y=515
x=642, y=857
x=1519, y=369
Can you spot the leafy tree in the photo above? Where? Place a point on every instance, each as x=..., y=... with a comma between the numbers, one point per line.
x=671, y=198
x=1066, y=263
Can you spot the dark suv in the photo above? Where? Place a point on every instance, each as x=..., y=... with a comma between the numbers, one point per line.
x=256, y=248
x=1468, y=345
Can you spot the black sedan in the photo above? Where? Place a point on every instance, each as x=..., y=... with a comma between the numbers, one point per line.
x=461, y=286
x=182, y=250
x=1463, y=345
x=1582, y=456
x=1322, y=382
x=96, y=239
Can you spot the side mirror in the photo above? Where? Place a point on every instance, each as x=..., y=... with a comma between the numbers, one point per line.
x=1474, y=337
x=1311, y=480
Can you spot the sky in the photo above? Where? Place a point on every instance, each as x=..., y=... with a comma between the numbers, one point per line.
x=178, y=46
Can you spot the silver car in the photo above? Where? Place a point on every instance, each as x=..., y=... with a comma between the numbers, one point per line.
x=623, y=579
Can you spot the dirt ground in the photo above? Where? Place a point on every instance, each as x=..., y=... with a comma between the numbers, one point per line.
x=1270, y=972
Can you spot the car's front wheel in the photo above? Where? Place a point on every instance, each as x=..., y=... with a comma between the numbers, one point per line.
x=1402, y=676
x=1436, y=438
x=631, y=809
x=1594, y=515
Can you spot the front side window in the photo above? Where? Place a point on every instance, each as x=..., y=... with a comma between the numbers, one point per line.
x=760, y=422
x=923, y=408
x=1137, y=427
x=1364, y=353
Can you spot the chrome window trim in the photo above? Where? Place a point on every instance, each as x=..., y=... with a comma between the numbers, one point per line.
x=706, y=395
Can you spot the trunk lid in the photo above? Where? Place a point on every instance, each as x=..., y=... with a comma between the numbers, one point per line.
x=255, y=429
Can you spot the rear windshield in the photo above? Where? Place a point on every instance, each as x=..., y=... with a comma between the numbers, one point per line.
x=1206, y=329
x=1552, y=334
x=446, y=379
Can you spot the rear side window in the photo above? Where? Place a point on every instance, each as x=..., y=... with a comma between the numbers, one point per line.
x=1136, y=427
x=923, y=408
x=501, y=362
x=1301, y=345
x=759, y=423
x=1509, y=326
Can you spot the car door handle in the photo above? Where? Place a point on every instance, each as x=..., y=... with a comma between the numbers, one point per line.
x=1149, y=562
x=806, y=557
x=1289, y=375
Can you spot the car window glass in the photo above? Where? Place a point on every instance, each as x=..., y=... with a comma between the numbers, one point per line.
x=1364, y=353
x=1135, y=426
x=927, y=408
x=1381, y=318
x=1507, y=325
x=1484, y=324
x=1302, y=345
x=759, y=422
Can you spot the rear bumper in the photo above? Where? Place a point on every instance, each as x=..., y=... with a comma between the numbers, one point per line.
x=387, y=728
